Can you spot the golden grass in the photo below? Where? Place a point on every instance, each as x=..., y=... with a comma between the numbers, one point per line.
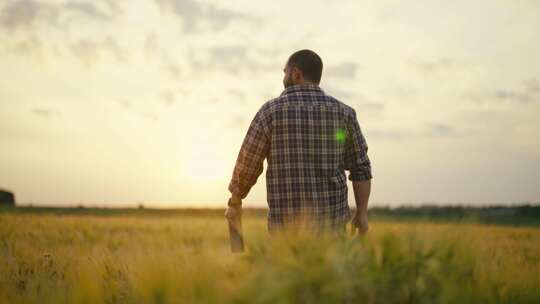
x=185, y=259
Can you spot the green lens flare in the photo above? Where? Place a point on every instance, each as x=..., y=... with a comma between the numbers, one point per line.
x=340, y=136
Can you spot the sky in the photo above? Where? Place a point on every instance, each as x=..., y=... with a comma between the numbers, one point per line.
x=118, y=103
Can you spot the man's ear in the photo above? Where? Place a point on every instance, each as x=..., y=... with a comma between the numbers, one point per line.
x=296, y=73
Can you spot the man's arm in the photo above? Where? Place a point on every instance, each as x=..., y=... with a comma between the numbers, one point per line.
x=359, y=166
x=356, y=159
x=249, y=164
x=362, y=189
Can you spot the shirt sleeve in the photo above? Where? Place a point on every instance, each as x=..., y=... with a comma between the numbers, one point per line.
x=249, y=164
x=356, y=159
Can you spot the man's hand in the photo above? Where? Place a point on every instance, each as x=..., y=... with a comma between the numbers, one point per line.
x=362, y=189
x=234, y=207
x=232, y=213
x=360, y=222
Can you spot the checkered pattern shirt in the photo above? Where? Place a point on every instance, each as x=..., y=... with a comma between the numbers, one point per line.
x=309, y=139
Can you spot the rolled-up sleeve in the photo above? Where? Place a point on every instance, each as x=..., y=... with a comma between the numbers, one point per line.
x=356, y=159
x=249, y=164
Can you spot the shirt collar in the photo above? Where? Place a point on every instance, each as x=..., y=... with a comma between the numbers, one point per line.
x=304, y=87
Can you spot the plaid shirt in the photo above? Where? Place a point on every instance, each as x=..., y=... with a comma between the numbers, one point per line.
x=309, y=139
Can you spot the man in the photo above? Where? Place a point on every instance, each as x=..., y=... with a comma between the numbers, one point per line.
x=309, y=139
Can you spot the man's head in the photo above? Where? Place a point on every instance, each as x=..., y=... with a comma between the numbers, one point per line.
x=302, y=66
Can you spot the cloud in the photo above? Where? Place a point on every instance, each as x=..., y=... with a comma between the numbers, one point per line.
x=235, y=52
x=124, y=103
x=231, y=59
x=87, y=51
x=193, y=14
x=439, y=129
x=114, y=7
x=151, y=44
x=387, y=134
x=431, y=130
x=171, y=67
x=371, y=106
x=529, y=92
x=150, y=116
x=344, y=70
x=355, y=99
x=338, y=93
x=30, y=18
x=434, y=66
x=511, y=95
x=26, y=46
x=44, y=112
x=88, y=9
x=168, y=97
x=90, y=51
x=25, y=13
x=532, y=86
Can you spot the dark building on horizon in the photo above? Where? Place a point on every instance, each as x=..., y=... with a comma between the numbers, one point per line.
x=7, y=198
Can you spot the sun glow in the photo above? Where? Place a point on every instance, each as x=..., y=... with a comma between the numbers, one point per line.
x=203, y=163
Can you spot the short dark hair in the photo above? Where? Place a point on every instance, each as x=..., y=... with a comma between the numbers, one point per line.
x=309, y=63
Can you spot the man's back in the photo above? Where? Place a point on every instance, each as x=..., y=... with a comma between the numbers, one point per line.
x=309, y=140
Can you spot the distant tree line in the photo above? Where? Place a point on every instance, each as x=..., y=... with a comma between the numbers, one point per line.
x=516, y=215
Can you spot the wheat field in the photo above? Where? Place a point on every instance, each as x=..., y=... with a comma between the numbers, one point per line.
x=47, y=258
